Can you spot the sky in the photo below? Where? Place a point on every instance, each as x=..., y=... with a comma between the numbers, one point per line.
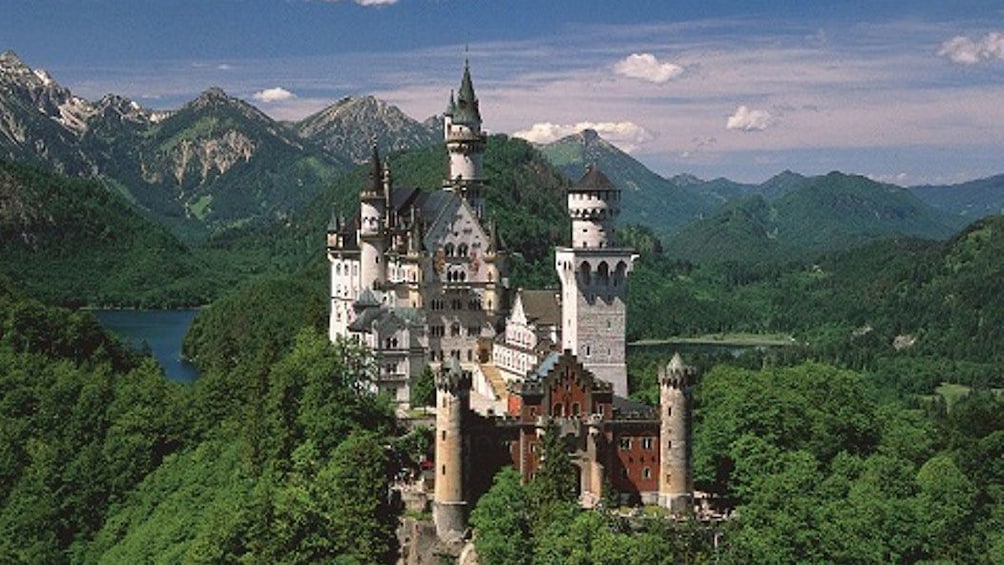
x=909, y=92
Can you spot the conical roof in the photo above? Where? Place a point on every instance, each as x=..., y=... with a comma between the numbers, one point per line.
x=593, y=180
x=466, y=111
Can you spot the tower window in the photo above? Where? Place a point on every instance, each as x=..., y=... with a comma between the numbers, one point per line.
x=646, y=473
x=646, y=444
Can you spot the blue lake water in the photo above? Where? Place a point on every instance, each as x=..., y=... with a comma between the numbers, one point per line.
x=161, y=330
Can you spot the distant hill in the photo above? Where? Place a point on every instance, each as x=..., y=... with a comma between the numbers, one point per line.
x=649, y=199
x=350, y=127
x=971, y=200
x=71, y=241
x=809, y=216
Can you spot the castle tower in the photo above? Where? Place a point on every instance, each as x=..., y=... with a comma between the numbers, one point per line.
x=465, y=144
x=449, y=511
x=676, y=490
x=372, y=227
x=593, y=273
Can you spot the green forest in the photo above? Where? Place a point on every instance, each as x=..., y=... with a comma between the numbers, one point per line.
x=841, y=446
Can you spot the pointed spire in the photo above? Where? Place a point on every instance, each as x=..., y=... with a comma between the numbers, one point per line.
x=467, y=111
x=451, y=106
x=388, y=186
x=376, y=173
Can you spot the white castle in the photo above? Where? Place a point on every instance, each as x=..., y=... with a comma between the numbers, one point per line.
x=420, y=278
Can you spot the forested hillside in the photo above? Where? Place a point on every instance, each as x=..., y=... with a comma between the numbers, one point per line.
x=73, y=241
x=808, y=217
x=106, y=461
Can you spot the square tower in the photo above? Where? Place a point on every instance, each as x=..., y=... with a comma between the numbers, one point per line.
x=594, y=273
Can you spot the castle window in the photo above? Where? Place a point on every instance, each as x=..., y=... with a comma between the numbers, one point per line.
x=575, y=409
x=646, y=473
x=444, y=469
x=624, y=443
x=669, y=444
x=624, y=472
x=669, y=411
x=558, y=410
x=646, y=444
x=443, y=433
x=455, y=330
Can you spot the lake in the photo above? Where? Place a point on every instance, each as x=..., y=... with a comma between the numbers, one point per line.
x=161, y=330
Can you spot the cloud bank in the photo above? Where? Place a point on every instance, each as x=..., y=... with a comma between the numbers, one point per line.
x=965, y=51
x=645, y=66
x=625, y=135
x=276, y=94
x=745, y=119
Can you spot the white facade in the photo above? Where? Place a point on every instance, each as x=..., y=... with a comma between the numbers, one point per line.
x=415, y=275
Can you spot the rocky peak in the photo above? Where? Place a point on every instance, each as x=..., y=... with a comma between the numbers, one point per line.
x=348, y=127
x=36, y=90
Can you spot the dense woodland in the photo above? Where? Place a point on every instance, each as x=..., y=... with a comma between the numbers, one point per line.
x=836, y=448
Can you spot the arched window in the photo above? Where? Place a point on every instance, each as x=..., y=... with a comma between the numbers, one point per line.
x=585, y=274
x=603, y=274
x=448, y=250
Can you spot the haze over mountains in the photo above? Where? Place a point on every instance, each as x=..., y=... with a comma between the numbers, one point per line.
x=219, y=163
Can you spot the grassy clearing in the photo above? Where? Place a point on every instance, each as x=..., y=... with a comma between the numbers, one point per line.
x=736, y=339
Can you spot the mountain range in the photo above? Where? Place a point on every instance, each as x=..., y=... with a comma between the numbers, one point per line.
x=218, y=164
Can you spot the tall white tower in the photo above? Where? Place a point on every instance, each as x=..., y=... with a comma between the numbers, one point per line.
x=465, y=143
x=594, y=274
x=372, y=232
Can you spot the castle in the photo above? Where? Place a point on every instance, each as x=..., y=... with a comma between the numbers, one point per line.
x=419, y=278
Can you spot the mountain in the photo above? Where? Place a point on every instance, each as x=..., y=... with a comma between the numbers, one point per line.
x=813, y=215
x=350, y=127
x=217, y=162
x=649, y=199
x=71, y=241
x=214, y=164
x=972, y=200
x=40, y=121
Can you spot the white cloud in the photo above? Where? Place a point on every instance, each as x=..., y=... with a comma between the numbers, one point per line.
x=625, y=135
x=276, y=94
x=745, y=119
x=965, y=51
x=645, y=66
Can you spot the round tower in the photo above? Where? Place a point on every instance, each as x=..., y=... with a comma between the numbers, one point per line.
x=594, y=203
x=372, y=236
x=465, y=143
x=449, y=510
x=676, y=490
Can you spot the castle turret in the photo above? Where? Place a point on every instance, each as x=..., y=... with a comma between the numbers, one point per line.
x=465, y=143
x=453, y=387
x=593, y=273
x=676, y=490
x=372, y=224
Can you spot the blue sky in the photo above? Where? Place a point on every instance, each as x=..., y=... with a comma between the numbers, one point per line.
x=908, y=92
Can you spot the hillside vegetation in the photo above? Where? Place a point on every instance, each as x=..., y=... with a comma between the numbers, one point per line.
x=74, y=242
